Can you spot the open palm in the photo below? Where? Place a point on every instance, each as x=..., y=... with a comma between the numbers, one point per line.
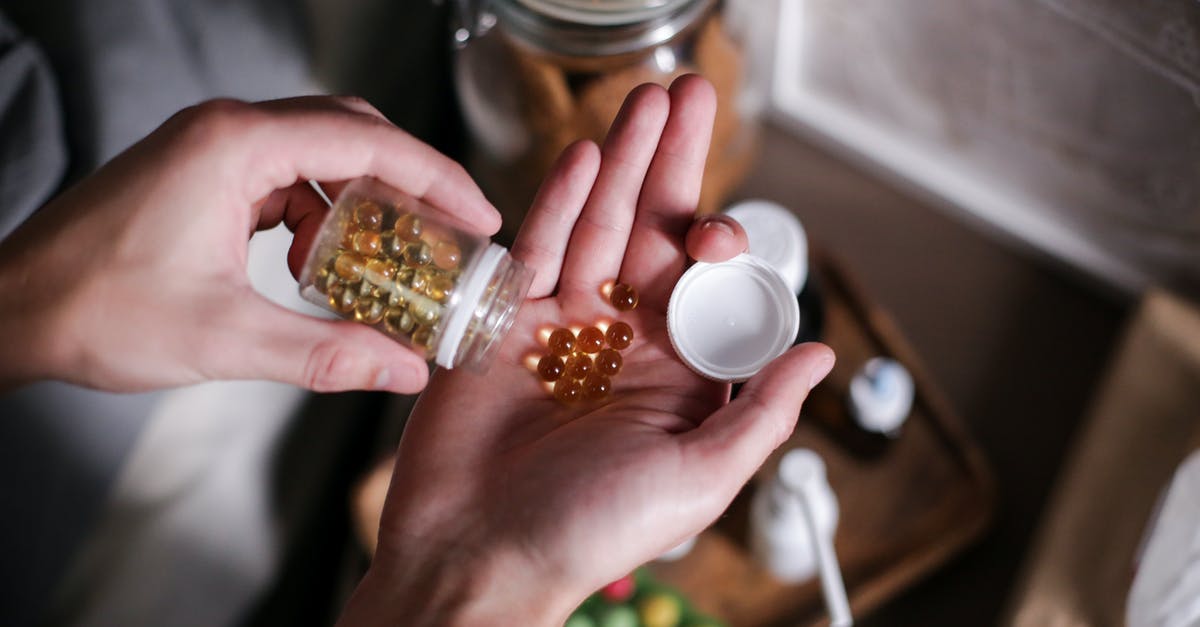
x=582, y=493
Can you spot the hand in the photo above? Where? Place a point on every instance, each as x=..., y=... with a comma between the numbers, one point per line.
x=136, y=277
x=508, y=507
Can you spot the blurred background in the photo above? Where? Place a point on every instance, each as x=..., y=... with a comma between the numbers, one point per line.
x=1014, y=187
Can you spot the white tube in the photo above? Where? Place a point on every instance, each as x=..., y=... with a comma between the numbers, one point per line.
x=832, y=585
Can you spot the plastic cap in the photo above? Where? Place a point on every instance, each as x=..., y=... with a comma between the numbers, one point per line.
x=881, y=395
x=474, y=284
x=777, y=237
x=728, y=320
x=801, y=468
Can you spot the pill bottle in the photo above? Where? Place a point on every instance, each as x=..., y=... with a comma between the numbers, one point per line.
x=881, y=396
x=783, y=512
x=388, y=260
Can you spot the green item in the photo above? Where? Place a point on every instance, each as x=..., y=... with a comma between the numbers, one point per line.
x=618, y=616
x=579, y=620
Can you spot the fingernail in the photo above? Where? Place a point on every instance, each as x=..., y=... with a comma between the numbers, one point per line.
x=381, y=379
x=820, y=371
x=721, y=223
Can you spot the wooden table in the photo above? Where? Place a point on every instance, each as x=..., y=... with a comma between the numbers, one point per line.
x=906, y=506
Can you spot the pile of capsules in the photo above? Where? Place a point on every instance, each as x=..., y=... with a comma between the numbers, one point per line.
x=391, y=273
x=579, y=365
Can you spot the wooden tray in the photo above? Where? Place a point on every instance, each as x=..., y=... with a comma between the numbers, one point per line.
x=1143, y=423
x=906, y=507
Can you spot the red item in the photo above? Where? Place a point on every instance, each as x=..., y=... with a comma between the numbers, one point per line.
x=618, y=591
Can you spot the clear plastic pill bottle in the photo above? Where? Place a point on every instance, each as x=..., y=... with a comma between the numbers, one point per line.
x=388, y=260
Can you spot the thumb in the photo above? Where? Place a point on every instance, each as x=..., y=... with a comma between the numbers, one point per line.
x=730, y=445
x=267, y=341
x=715, y=237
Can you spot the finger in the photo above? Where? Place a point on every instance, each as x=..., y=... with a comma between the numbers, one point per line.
x=302, y=211
x=261, y=340
x=656, y=258
x=716, y=238
x=289, y=205
x=349, y=104
x=299, y=140
x=602, y=231
x=732, y=443
x=303, y=236
x=542, y=241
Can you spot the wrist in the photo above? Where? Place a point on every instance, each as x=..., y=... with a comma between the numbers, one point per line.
x=457, y=587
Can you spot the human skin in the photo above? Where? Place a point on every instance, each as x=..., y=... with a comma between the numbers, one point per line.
x=507, y=507
x=135, y=278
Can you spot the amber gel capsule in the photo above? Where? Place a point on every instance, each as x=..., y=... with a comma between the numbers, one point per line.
x=446, y=255
x=579, y=366
x=623, y=297
x=590, y=340
x=620, y=335
x=408, y=228
x=551, y=368
x=368, y=215
x=350, y=266
x=608, y=362
x=596, y=386
x=568, y=390
x=561, y=342
x=366, y=243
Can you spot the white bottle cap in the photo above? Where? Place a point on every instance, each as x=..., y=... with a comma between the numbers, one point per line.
x=728, y=320
x=474, y=283
x=881, y=395
x=777, y=237
x=801, y=469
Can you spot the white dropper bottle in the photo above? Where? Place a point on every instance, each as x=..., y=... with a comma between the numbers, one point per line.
x=793, y=519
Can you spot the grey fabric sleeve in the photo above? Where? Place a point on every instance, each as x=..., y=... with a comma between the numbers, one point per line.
x=33, y=154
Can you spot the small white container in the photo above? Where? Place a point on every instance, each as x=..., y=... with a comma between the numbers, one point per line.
x=881, y=396
x=777, y=237
x=779, y=530
x=728, y=320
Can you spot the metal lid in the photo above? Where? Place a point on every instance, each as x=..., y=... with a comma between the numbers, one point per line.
x=582, y=27
x=603, y=12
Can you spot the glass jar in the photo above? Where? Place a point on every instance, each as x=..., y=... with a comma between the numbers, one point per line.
x=535, y=75
x=386, y=259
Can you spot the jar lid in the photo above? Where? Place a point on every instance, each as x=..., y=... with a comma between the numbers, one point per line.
x=776, y=236
x=590, y=28
x=603, y=13
x=728, y=320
